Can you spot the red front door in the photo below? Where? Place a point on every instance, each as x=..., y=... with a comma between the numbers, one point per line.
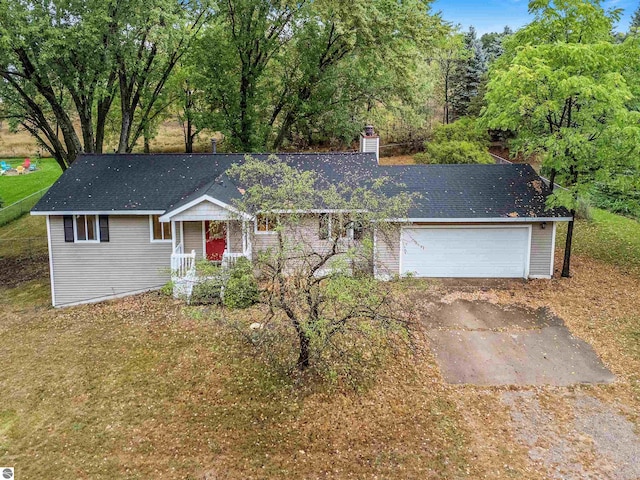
x=216, y=240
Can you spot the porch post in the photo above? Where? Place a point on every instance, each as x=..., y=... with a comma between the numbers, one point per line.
x=246, y=239
x=173, y=236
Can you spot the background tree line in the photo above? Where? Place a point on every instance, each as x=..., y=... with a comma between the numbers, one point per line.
x=78, y=74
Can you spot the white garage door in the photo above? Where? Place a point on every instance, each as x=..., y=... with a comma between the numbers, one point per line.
x=471, y=252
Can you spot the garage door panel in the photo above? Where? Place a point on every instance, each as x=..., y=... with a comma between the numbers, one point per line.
x=465, y=252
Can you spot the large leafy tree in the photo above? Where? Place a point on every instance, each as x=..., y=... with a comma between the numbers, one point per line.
x=321, y=290
x=560, y=87
x=308, y=67
x=635, y=20
x=233, y=56
x=63, y=61
x=347, y=58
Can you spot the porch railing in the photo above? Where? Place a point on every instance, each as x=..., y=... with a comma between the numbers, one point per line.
x=229, y=259
x=183, y=264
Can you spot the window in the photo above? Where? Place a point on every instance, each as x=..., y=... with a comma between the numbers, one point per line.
x=160, y=232
x=266, y=223
x=86, y=228
x=333, y=225
x=358, y=230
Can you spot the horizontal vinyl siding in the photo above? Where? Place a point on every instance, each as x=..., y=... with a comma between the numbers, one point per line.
x=204, y=211
x=235, y=237
x=304, y=237
x=193, y=237
x=387, y=252
x=541, y=250
x=129, y=262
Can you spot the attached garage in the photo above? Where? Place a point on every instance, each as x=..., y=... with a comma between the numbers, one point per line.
x=477, y=251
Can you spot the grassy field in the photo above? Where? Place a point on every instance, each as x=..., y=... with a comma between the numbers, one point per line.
x=146, y=387
x=609, y=238
x=14, y=188
x=168, y=139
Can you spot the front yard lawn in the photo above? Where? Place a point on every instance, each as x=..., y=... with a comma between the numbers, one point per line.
x=146, y=387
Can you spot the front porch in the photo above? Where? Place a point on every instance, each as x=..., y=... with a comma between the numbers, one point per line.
x=221, y=242
x=203, y=227
x=216, y=240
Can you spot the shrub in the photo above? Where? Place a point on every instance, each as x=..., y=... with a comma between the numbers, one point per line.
x=208, y=292
x=583, y=209
x=241, y=290
x=454, y=152
x=456, y=143
x=167, y=289
x=619, y=195
x=465, y=130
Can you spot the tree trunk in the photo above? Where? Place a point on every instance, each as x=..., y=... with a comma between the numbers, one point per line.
x=85, y=115
x=285, y=128
x=552, y=180
x=245, y=120
x=103, y=108
x=303, y=357
x=566, y=267
x=189, y=136
x=125, y=130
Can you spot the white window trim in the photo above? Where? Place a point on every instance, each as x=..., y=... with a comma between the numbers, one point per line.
x=261, y=232
x=348, y=236
x=153, y=240
x=75, y=229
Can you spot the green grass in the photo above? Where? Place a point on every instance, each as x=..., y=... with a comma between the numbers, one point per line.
x=14, y=188
x=609, y=238
x=25, y=236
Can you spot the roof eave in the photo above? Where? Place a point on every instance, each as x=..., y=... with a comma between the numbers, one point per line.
x=96, y=212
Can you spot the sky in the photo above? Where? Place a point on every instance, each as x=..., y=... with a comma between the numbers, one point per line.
x=494, y=15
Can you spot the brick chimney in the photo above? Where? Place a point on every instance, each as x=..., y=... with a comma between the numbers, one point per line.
x=370, y=141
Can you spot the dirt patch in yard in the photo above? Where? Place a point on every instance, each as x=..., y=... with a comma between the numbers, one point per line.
x=15, y=271
x=397, y=160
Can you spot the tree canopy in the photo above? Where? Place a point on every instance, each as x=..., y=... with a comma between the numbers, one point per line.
x=559, y=86
x=64, y=61
x=320, y=289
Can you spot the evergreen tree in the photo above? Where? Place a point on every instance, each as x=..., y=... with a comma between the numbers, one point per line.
x=492, y=43
x=635, y=20
x=469, y=76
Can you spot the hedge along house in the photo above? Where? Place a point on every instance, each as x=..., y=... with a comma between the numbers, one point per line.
x=123, y=224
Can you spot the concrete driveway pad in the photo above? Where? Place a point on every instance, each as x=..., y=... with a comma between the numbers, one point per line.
x=485, y=344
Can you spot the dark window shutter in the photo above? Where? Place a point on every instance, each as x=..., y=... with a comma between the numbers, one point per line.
x=104, y=228
x=68, y=228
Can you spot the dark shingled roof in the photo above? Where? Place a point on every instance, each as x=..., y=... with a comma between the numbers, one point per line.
x=162, y=182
